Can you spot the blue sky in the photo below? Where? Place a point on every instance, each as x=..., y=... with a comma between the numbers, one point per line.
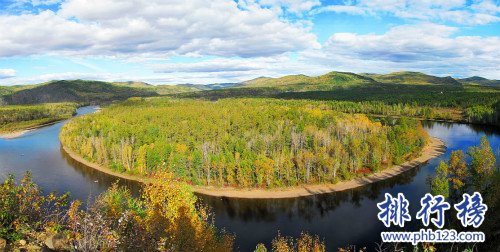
x=198, y=41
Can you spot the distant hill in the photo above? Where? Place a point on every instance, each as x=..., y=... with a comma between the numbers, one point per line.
x=330, y=85
x=222, y=85
x=304, y=83
x=412, y=78
x=476, y=80
x=5, y=90
x=132, y=84
x=175, y=89
x=74, y=91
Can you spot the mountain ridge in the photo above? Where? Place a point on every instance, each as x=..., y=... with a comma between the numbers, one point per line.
x=99, y=91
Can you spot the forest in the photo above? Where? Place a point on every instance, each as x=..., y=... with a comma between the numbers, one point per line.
x=473, y=104
x=16, y=117
x=241, y=142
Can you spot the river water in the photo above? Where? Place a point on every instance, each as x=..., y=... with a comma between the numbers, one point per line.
x=341, y=218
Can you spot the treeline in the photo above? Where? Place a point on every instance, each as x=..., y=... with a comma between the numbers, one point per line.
x=395, y=110
x=449, y=102
x=483, y=114
x=241, y=142
x=18, y=117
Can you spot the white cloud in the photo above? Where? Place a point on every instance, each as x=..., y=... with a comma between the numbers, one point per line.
x=7, y=73
x=487, y=6
x=155, y=27
x=215, y=65
x=426, y=47
x=241, y=69
x=481, y=12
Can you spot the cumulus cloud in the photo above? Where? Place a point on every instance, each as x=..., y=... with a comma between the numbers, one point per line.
x=7, y=73
x=480, y=12
x=140, y=27
x=426, y=47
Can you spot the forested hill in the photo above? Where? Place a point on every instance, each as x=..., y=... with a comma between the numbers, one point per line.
x=413, y=78
x=93, y=91
x=331, y=86
x=74, y=91
x=476, y=80
x=304, y=82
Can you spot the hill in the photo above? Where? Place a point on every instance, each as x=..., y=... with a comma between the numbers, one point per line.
x=175, y=89
x=476, y=80
x=5, y=90
x=132, y=84
x=73, y=91
x=302, y=82
x=412, y=78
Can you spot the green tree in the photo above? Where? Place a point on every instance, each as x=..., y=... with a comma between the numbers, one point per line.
x=458, y=169
x=483, y=164
x=439, y=183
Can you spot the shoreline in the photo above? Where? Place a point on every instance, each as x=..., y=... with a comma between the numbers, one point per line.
x=13, y=134
x=433, y=149
x=21, y=132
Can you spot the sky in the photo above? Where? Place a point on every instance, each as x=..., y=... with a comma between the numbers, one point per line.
x=218, y=41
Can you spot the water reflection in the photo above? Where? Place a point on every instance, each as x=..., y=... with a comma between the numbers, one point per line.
x=96, y=176
x=308, y=208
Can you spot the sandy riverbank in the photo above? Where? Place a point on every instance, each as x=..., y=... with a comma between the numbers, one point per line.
x=14, y=134
x=19, y=133
x=433, y=149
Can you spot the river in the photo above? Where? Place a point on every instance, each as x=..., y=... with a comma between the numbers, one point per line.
x=341, y=218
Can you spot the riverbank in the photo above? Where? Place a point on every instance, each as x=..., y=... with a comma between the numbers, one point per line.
x=21, y=132
x=13, y=134
x=433, y=149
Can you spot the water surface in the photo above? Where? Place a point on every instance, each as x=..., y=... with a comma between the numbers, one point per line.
x=40, y=152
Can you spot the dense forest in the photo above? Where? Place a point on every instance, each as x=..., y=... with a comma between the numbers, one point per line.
x=19, y=117
x=244, y=142
x=475, y=104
